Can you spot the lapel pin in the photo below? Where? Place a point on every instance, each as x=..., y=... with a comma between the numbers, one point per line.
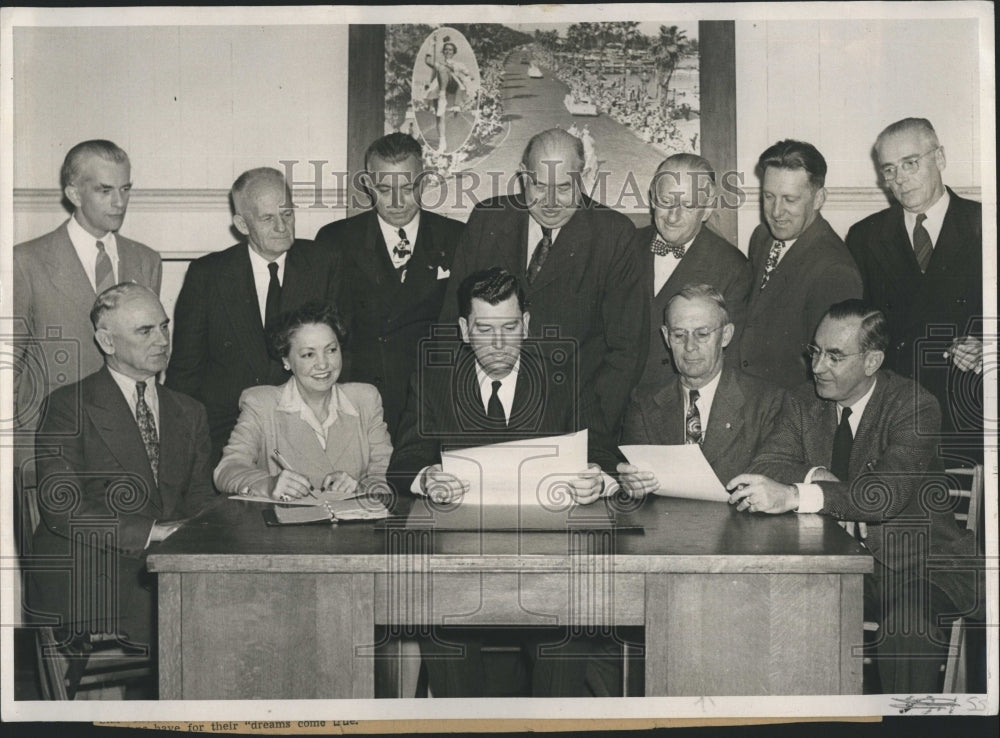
x=729, y=425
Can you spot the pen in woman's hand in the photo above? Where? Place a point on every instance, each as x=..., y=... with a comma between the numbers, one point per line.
x=280, y=460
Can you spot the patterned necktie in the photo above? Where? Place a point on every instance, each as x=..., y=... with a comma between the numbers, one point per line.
x=662, y=248
x=494, y=408
x=772, y=261
x=922, y=246
x=692, y=421
x=273, y=300
x=147, y=429
x=402, y=251
x=104, y=276
x=538, y=257
x=843, y=439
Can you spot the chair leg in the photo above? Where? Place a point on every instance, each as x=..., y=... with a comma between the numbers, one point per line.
x=954, y=672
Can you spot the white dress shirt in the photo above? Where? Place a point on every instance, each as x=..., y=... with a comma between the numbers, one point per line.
x=664, y=266
x=85, y=246
x=506, y=391
x=291, y=401
x=535, y=235
x=390, y=234
x=810, y=494
x=706, y=395
x=127, y=386
x=262, y=277
x=935, y=219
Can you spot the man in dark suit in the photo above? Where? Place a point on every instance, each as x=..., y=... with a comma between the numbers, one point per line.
x=800, y=266
x=921, y=262
x=849, y=445
x=496, y=389
x=121, y=463
x=57, y=277
x=228, y=298
x=580, y=276
x=717, y=406
x=392, y=269
x=678, y=249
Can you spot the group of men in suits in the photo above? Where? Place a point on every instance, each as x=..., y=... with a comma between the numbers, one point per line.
x=668, y=328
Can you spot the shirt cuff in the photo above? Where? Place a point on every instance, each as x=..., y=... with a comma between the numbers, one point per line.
x=415, y=487
x=809, y=476
x=810, y=498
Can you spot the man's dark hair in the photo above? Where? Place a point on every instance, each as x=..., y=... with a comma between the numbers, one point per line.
x=279, y=336
x=393, y=148
x=493, y=285
x=874, y=331
x=790, y=154
x=84, y=150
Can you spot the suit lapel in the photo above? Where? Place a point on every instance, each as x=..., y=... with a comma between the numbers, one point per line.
x=949, y=245
x=172, y=434
x=512, y=241
x=562, y=258
x=666, y=419
x=421, y=270
x=864, y=440
x=240, y=303
x=725, y=421
x=119, y=431
x=68, y=275
x=896, y=251
x=789, y=269
x=370, y=254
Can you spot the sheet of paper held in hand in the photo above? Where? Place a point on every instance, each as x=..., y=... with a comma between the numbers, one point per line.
x=682, y=471
x=531, y=471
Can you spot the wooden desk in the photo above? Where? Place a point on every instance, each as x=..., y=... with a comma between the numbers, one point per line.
x=732, y=604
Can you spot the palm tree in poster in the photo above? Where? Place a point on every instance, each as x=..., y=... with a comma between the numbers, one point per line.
x=667, y=52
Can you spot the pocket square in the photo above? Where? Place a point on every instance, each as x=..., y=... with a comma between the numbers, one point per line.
x=443, y=273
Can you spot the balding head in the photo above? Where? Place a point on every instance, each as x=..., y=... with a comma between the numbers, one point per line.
x=551, y=169
x=682, y=195
x=263, y=211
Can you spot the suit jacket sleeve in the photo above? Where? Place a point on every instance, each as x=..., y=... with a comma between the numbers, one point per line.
x=634, y=426
x=783, y=455
x=626, y=328
x=63, y=477
x=414, y=450
x=244, y=462
x=896, y=471
x=737, y=295
x=23, y=301
x=379, y=443
x=190, y=349
x=200, y=492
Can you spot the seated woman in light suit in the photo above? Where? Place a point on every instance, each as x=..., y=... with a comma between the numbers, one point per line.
x=327, y=436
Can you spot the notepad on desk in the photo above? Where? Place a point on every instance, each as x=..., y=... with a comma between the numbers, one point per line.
x=328, y=509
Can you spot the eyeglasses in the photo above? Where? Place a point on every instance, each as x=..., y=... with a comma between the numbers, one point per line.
x=679, y=335
x=835, y=356
x=909, y=165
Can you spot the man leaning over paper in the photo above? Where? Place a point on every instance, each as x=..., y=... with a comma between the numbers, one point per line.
x=708, y=403
x=492, y=388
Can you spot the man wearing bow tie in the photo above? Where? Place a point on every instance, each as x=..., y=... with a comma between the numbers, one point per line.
x=800, y=266
x=393, y=264
x=122, y=462
x=677, y=249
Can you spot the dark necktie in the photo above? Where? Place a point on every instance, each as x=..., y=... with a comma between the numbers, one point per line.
x=402, y=251
x=538, y=257
x=692, y=421
x=273, y=296
x=494, y=408
x=843, y=439
x=104, y=276
x=772, y=261
x=922, y=246
x=147, y=429
x=662, y=248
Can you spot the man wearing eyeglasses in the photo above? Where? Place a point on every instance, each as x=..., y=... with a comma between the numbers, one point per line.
x=921, y=262
x=859, y=445
x=800, y=265
x=728, y=413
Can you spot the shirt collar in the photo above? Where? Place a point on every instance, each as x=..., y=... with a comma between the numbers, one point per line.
x=85, y=245
x=485, y=380
x=535, y=234
x=935, y=217
x=127, y=386
x=259, y=263
x=858, y=408
x=291, y=400
x=390, y=233
x=706, y=393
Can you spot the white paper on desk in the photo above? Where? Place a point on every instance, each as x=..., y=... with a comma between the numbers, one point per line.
x=532, y=471
x=682, y=471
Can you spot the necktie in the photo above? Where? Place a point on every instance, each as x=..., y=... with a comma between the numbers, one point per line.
x=402, y=251
x=147, y=429
x=662, y=248
x=104, y=276
x=922, y=246
x=538, y=257
x=273, y=295
x=494, y=408
x=692, y=421
x=843, y=439
x=772, y=261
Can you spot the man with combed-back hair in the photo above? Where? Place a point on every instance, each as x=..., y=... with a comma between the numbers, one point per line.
x=858, y=443
x=228, y=297
x=123, y=462
x=393, y=263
